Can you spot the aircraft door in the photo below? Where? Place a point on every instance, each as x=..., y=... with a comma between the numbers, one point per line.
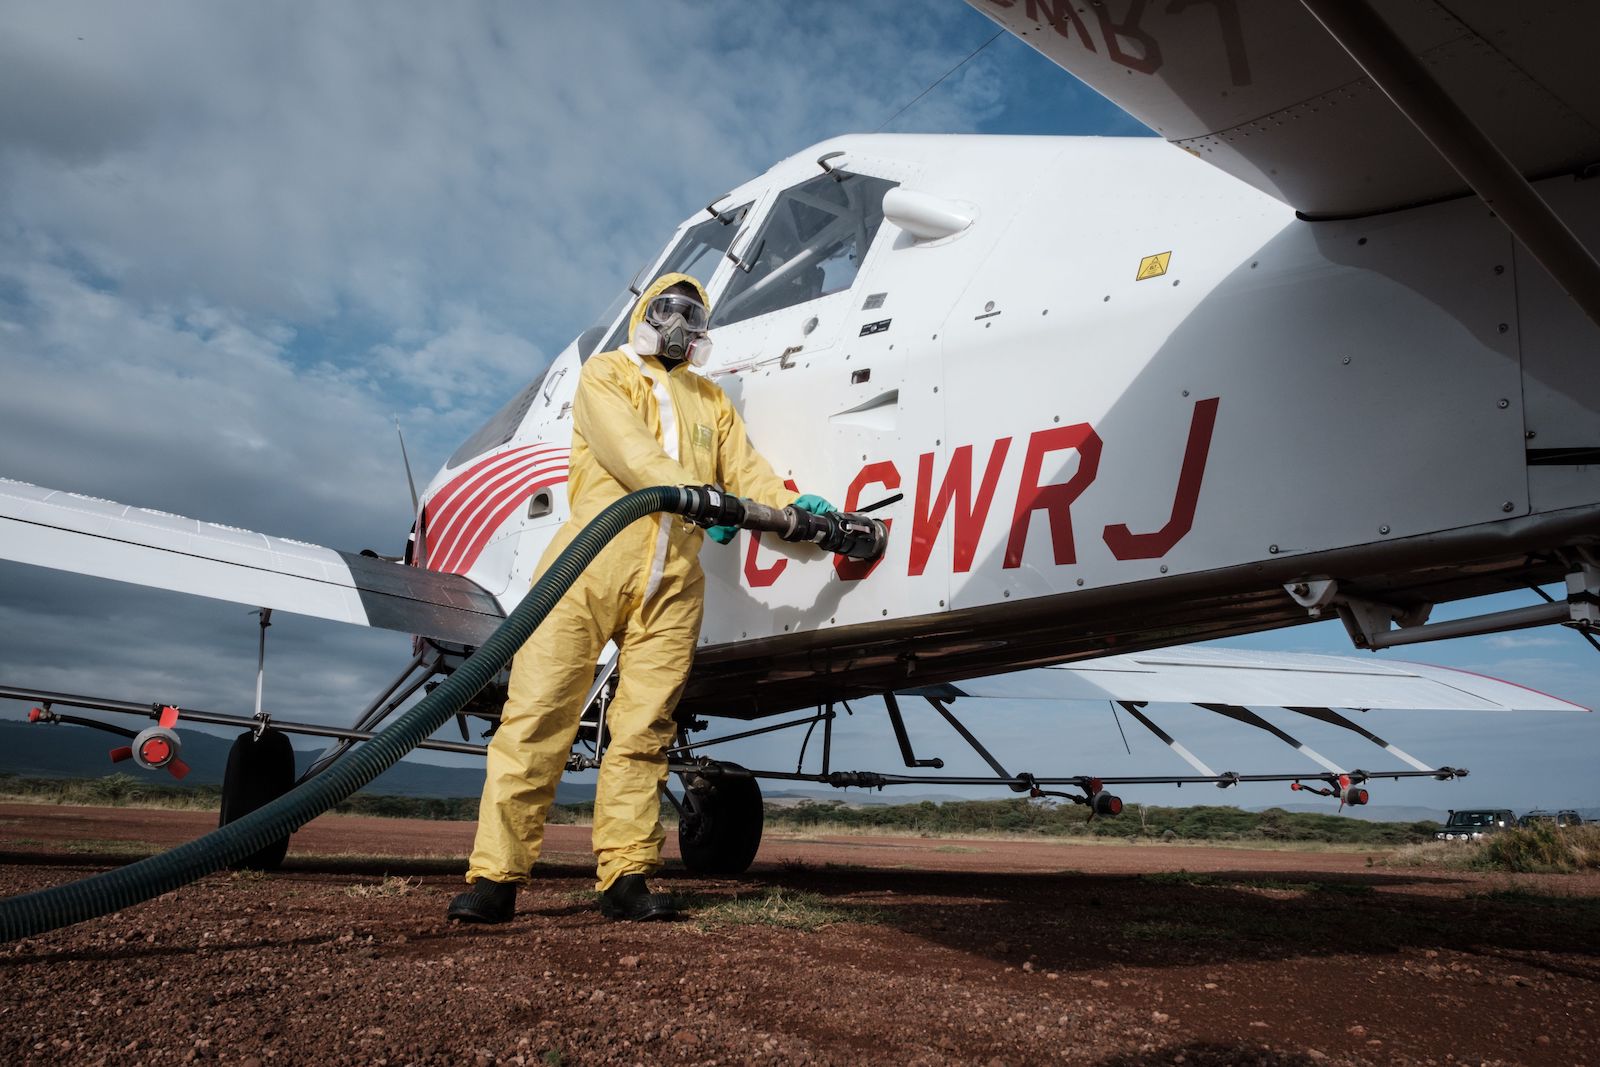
x=819, y=390
x=788, y=289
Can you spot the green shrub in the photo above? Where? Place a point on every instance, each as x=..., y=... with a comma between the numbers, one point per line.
x=1542, y=847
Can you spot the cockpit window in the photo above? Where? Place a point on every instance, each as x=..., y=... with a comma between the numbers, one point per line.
x=501, y=427
x=696, y=255
x=811, y=245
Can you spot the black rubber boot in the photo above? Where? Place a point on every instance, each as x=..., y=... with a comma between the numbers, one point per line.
x=630, y=898
x=485, y=902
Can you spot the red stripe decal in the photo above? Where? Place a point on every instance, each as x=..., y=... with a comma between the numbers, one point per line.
x=445, y=507
x=450, y=497
x=465, y=522
x=505, y=505
x=467, y=475
x=439, y=506
x=447, y=521
x=447, y=495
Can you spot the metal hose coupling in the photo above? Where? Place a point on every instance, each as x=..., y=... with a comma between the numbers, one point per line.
x=846, y=533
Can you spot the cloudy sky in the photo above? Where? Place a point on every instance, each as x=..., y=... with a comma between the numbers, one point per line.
x=237, y=240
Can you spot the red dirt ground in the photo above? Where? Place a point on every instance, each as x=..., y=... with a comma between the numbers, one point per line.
x=931, y=951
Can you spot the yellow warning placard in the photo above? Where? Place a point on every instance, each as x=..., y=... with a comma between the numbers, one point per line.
x=1153, y=266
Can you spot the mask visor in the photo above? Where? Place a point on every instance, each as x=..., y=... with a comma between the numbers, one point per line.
x=663, y=307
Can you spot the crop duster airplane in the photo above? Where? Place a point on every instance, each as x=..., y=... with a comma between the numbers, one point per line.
x=1330, y=351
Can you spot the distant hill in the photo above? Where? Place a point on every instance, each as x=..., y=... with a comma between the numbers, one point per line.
x=61, y=751
x=854, y=798
x=1371, y=812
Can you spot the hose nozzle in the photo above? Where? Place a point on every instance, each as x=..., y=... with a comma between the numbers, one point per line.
x=848, y=534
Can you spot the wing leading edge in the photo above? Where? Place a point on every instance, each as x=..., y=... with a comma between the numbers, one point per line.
x=86, y=535
x=1262, y=679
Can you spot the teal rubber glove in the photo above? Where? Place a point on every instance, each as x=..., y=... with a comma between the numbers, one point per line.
x=815, y=504
x=722, y=534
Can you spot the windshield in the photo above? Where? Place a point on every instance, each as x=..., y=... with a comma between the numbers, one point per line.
x=696, y=254
x=1473, y=818
x=812, y=244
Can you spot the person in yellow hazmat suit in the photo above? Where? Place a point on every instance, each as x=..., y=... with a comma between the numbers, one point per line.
x=641, y=417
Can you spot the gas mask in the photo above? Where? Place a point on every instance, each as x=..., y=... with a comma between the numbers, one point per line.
x=674, y=328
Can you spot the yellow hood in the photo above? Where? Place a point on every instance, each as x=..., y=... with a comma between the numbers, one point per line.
x=655, y=289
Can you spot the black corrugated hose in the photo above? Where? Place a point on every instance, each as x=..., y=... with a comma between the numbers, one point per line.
x=49, y=909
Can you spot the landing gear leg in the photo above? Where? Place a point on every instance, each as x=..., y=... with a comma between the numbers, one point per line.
x=260, y=770
x=719, y=830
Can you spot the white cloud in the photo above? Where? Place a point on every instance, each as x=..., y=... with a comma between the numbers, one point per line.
x=470, y=361
x=1525, y=641
x=393, y=161
x=193, y=410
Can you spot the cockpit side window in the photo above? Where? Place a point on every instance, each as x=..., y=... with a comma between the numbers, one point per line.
x=812, y=244
x=696, y=254
x=501, y=427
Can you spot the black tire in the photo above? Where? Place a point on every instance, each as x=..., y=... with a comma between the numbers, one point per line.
x=720, y=830
x=260, y=770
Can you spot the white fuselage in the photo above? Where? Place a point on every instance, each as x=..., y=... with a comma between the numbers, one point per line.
x=1073, y=427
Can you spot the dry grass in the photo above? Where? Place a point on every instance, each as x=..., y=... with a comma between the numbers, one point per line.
x=95, y=846
x=774, y=906
x=1267, y=885
x=392, y=886
x=1450, y=855
x=88, y=797
x=1168, y=931
x=1541, y=848
x=811, y=835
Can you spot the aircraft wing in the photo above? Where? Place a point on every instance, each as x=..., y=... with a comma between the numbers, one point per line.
x=1238, y=678
x=1260, y=89
x=85, y=535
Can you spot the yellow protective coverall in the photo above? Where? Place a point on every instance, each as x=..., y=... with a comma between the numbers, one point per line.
x=634, y=425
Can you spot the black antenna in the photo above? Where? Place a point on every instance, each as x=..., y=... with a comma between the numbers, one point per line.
x=940, y=80
x=410, y=481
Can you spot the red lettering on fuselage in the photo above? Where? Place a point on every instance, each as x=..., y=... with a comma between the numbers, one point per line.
x=883, y=473
x=1054, y=499
x=1124, y=543
x=757, y=576
x=927, y=519
x=968, y=505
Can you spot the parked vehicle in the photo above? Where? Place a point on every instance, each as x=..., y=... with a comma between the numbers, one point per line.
x=1564, y=817
x=1475, y=825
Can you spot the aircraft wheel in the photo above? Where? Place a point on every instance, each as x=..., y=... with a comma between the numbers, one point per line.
x=260, y=770
x=720, y=829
